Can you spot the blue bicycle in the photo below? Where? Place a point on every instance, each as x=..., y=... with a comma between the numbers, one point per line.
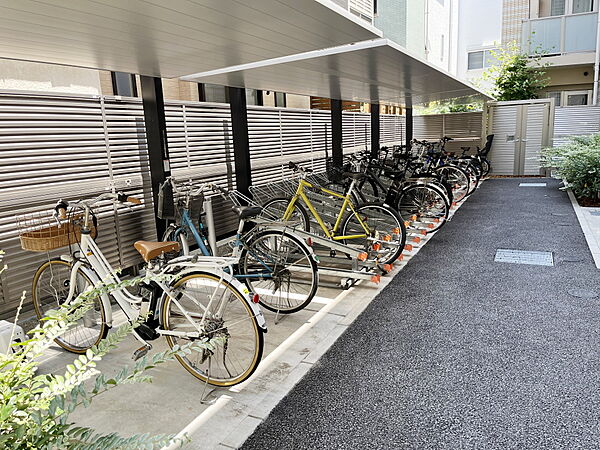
x=272, y=261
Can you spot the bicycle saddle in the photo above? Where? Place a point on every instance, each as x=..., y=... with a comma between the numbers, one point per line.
x=354, y=175
x=247, y=212
x=150, y=250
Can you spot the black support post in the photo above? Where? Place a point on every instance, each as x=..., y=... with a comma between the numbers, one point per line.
x=375, y=128
x=337, y=152
x=241, y=144
x=156, y=139
x=409, y=127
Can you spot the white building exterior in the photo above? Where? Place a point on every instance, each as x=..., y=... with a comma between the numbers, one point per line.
x=479, y=30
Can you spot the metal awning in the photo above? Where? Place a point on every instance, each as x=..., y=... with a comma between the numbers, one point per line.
x=375, y=71
x=171, y=38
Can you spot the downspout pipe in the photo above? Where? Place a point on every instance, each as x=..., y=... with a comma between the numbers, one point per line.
x=596, y=63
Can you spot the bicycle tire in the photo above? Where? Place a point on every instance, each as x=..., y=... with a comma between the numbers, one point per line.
x=427, y=202
x=264, y=249
x=88, y=330
x=458, y=180
x=383, y=219
x=252, y=334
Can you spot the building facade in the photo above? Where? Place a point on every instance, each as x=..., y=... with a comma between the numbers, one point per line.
x=566, y=31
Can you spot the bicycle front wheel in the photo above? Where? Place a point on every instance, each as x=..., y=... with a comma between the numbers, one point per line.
x=427, y=203
x=458, y=179
x=387, y=233
x=221, y=311
x=279, y=267
x=275, y=209
x=50, y=291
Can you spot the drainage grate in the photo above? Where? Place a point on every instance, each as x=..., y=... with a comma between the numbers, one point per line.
x=532, y=185
x=524, y=257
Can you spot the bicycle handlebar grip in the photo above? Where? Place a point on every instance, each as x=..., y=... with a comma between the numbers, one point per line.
x=134, y=200
x=292, y=165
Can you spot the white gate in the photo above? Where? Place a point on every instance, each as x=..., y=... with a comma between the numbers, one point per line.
x=521, y=129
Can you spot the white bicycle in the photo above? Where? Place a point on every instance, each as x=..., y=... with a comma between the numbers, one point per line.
x=203, y=302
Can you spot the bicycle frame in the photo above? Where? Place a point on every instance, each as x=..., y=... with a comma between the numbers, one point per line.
x=186, y=222
x=100, y=270
x=330, y=233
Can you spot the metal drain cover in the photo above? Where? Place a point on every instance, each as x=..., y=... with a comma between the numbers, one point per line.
x=532, y=184
x=524, y=257
x=582, y=293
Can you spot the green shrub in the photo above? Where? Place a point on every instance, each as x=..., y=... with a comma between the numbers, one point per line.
x=35, y=408
x=578, y=162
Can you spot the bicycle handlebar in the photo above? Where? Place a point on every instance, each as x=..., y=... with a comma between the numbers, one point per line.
x=60, y=209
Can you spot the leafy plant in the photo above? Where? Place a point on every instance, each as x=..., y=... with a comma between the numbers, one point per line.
x=578, y=162
x=516, y=75
x=449, y=106
x=35, y=409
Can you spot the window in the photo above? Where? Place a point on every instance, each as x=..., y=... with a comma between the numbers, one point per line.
x=577, y=98
x=557, y=7
x=124, y=84
x=254, y=97
x=582, y=6
x=556, y=96
x=280, y=99
x=481, y=59
x=213, y=93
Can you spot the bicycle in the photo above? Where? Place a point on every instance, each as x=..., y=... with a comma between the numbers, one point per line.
x=375, y=227
x=202, y=302
x=274, y=263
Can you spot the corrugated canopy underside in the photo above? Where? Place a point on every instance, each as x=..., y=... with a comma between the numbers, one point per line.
x=171, y=38
x=375, y=71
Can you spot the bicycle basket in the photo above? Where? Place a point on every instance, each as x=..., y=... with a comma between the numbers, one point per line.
x=40, y=231
x=166, y=203
x=196, y=206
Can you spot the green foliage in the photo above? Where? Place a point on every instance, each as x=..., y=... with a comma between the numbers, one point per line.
x=517, y=76
x=578, y=162
x=35, y=409
x=449, y=106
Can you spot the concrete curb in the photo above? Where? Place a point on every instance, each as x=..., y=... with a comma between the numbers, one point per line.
x=590, y=230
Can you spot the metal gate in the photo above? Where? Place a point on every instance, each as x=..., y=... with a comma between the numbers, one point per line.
x=521, y=129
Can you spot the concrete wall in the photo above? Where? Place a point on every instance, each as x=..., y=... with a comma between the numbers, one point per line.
x=30, y=76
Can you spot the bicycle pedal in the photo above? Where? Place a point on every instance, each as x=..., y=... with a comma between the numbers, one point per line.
x=141, y=352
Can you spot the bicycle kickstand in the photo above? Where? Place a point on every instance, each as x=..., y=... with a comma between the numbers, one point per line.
x=204, y=398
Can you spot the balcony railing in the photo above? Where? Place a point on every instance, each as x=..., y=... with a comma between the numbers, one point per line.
x=558, y=35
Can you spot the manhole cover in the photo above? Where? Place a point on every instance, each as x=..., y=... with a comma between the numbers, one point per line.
x=582, y=293
x=532, y=184
x=524, y=257
x=595, y=212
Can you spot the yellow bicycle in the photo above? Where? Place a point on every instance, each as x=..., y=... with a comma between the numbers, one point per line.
x=376, y=228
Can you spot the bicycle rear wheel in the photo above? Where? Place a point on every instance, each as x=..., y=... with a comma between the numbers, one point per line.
x=221, y=311
x=425, y=202
x=279, y=267
x=387, y=229
x=50, y=290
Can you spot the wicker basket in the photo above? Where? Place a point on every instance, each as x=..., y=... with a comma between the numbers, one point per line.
x=38, y=234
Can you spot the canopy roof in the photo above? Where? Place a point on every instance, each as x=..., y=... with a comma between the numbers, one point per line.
x=171, y=38
x=375, y=71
